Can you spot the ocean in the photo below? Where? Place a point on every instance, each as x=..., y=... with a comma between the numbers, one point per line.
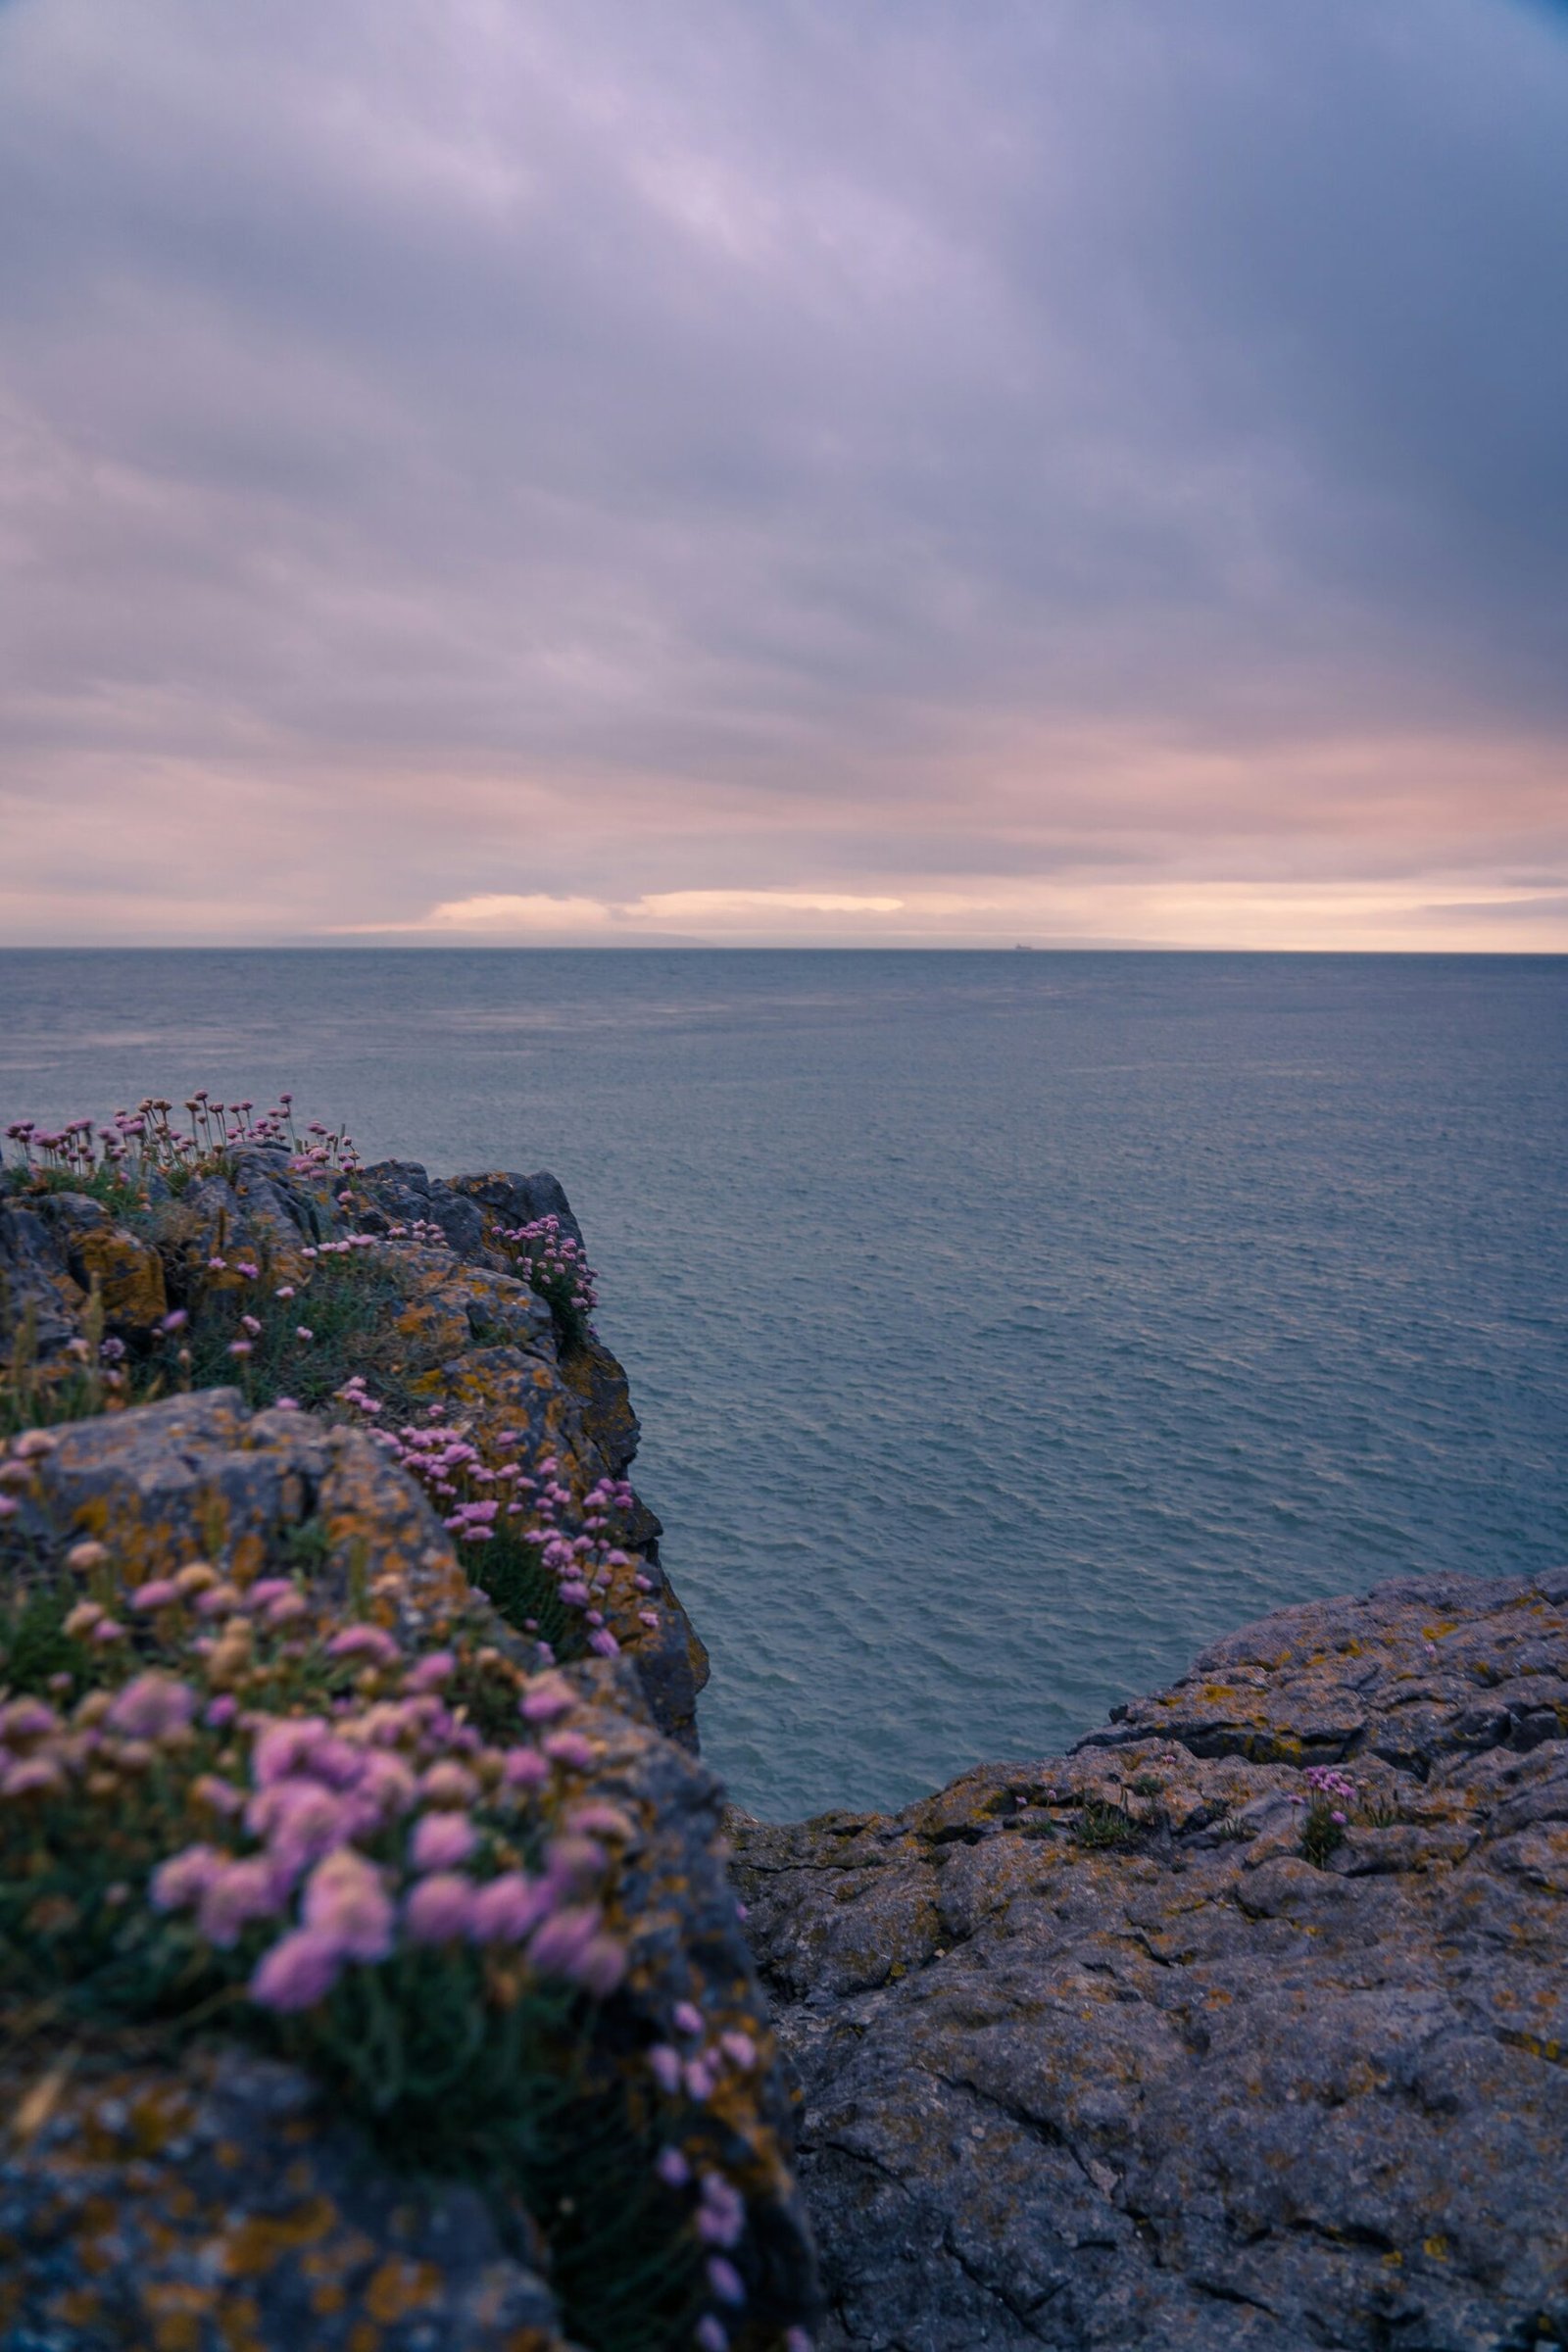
x=1003, y=1326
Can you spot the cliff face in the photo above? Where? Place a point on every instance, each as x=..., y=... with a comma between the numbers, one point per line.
x=1167, y=2042
x=369, y=1976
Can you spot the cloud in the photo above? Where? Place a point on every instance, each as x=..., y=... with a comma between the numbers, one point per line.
x=582, y=458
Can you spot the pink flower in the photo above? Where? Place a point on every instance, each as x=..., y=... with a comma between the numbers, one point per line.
x=107, y=1631
x=510, y=1908
x=525, y=1768
x=739, y=2048
x=575, y=1861
x=710, y=2334
x=721, y=2214
x=601, y=1820
x=441, y=1840
x=386, y=1786
x=157, y=1594
x=363, y=1642
x=33, y=1775
x=185, y=1876
x=302, y=1331
x=671, y=2166
x=300, y=1822
x=569, y=1747
x=296, y=1973
x=285, y=1747
x=222, y=1795
x=555, y=1947
x=234, y=1896
x=27, y=1719
x=688, y=2018
x=221, y=1711
x=431, y=1672
x=268, y=1589
x=725, y=2280
x=239, y=1348
x=549, y=1697
x=175, y=1320
x=604, y=1642
x=440, y=1909
x=345, y=1901
x=599, y=1967
x=664, y=2065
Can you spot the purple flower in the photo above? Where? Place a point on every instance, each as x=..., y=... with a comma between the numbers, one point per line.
x=152, y=1706
x=234, y=1896
x=296, y=1973
x=556, y=1948
x=440, y=1909
x=721, y=2214
x=688, y=2018
x=712, y=2335
x=665, y=2066
x=549, y=1697
x=441, y=1840
x=346, y=1902
x=725, y=2280
x=510, y=1908
x=525, y=1768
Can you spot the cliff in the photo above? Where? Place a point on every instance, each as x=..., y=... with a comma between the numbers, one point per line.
x=369, y=1976
x=1242, y=2028
x=370, y=1970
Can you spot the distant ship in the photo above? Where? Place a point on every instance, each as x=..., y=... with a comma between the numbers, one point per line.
x=1022, y=947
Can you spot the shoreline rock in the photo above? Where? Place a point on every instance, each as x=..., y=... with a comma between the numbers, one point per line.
x=1092, y=2055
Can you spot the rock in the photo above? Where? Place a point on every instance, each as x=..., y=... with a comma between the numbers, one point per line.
x=1092, y=2055
x=464, y=1335
x=206, y=2199
x=217, y=2203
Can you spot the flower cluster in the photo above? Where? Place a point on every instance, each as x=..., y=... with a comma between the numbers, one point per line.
x=1332, y=1793
x=479, y=1499
x=134, y=1145
x=557, y=1267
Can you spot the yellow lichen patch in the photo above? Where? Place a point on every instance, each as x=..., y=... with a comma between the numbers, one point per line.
x=398, y=2290
x=253, y=2245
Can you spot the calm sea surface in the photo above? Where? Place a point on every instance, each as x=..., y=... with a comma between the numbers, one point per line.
x=1003, y=1326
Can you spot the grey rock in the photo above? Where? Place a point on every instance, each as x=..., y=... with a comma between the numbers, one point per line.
x=1189, y=2089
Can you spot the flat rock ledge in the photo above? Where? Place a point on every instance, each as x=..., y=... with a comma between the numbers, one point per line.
x=1094, y=2055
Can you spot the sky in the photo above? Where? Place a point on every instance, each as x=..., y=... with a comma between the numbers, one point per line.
x=903, y=472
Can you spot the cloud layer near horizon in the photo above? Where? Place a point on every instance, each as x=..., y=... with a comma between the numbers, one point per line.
x=911, y=472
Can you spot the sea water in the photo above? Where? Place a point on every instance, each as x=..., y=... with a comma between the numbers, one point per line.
x=1003, y=1326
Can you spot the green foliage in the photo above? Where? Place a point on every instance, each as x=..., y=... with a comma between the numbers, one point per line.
x=511, y=1574
x=1101, y=1824
x=1321, y=1835
x=34, y=1646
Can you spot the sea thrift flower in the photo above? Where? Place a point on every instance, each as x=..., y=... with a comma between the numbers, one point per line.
x=546, y=1699
x=86, y=1557
x=599, y=1967
x=510, y=1908
x=525, y=1768
x=721, y=2214
x=440, y=1909
x=569, y=1747
x=363, y=1642
x=184, y=1878
x=234, y=1896
x=448, y=1783
x=431, y=1672
x=441, y=1840
x=712, y=2335
x=297, y=1973
x=32, y=1775
x=725, y=2280
x=152, y=1707
x=160, y=1593
x=557, y=1947
x=688, y=2018
x=345, y=1901
x=221, y=1711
